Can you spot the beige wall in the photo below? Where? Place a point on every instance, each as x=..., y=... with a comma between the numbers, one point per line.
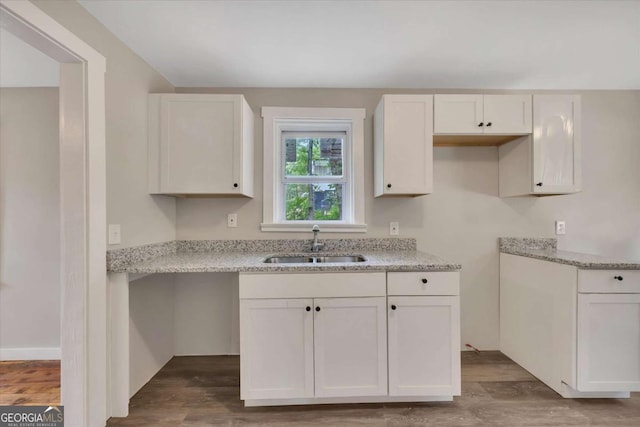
x=144, y=218
x=29, y=224
x=460, y=221
x=463, y=218
x=151, y=323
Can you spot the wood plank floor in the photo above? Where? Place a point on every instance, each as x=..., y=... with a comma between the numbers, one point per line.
x=205, y=391
x=32, y=382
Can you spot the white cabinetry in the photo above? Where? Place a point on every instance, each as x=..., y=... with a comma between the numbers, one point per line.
x=345, y=338
x=482, y=114
x=556, y=144
x=424, y=334
x=549, y=161
x=281, y=332
x=458, y=114
x=322, y=337
x=333, y=343
x=403, y=145
x=350, y=347
x=200, y=145
x=608, y=330
x=578, y=331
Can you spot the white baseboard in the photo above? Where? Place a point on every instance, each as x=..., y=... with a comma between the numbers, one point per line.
x=45, y=353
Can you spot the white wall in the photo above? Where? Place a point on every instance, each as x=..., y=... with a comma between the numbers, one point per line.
x=22, y=65
x=144, y=218
x=29, y=224
x=206, y=314
x=463, y=218
x=151, y=327
x=460, y=221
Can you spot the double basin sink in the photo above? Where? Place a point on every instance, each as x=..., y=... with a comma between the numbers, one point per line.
x=313, y=259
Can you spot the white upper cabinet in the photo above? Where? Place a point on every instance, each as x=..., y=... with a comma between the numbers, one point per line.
x=549, y=161
x=458, y=114
x=507, y=114
x=200, y=145
x=556, y=144
x=403, y=145
x=482, y=114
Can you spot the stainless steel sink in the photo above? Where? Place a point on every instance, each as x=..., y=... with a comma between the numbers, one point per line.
x=355, y=258
x=289, y=260
x=313, y=259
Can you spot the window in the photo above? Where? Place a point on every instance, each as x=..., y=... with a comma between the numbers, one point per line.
x=314, y=175
x=313, y=169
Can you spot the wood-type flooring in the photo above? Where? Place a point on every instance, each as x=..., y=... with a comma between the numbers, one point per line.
x=33, y=382
x=205, y=391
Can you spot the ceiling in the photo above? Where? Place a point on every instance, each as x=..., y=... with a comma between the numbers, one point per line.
x=22, y=65
x=385, y=44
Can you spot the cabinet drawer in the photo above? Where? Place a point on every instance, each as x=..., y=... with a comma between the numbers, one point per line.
x=423, y=283
x=608, y=281
x=311, y=285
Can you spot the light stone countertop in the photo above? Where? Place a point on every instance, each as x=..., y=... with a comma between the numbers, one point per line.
x=545, y=250
x=379, y=254
x=219, y=262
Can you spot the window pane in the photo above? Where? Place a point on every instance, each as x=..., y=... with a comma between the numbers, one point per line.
x=313, y=156
x=313, y=202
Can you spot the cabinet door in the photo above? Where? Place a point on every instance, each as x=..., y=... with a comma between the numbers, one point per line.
x=458, y=114
x=424, y=346
x=507, y=114
x=609, y=342
x=350, y=347
x=408, y=144
x=200, y=144
x=556, y=144
x=276, y=349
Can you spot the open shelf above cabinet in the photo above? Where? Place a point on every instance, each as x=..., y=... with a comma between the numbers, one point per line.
x=472, y=140
x=537, y=139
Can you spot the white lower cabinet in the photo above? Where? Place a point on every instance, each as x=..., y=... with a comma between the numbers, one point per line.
x=424, y=333
x=276, y=338
x=350, y=347
x=322, y=337
x=577, y=330
x=609, y=342
x=424, y=346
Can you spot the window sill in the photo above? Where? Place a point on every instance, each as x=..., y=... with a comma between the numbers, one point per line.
x=324, y=227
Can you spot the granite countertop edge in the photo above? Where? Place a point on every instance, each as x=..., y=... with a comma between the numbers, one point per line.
x=545, y=250
x=250, y=262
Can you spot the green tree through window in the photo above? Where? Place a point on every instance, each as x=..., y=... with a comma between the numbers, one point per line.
x=318, y=158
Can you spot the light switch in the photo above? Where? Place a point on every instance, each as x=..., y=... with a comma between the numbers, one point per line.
x=114, y=234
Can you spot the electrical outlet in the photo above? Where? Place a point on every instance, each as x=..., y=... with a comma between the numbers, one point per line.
x=561, y=228
x=114, y=236
x=232, y=220
x=394, y=228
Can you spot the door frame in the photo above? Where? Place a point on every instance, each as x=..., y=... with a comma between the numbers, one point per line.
x=83, y=338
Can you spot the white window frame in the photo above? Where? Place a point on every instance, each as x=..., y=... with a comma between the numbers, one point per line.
x=344, y=179
x=277, y=120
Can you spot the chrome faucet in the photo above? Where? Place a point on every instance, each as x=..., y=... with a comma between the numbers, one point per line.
x=316, y=247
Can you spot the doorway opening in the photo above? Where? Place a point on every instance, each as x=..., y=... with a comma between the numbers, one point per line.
x=30, y=291
x=81, y=211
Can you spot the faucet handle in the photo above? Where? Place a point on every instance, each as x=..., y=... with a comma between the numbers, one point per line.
x=315, y=228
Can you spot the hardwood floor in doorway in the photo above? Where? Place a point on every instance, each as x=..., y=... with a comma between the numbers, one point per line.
x=205, y=391
x=30, y=382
